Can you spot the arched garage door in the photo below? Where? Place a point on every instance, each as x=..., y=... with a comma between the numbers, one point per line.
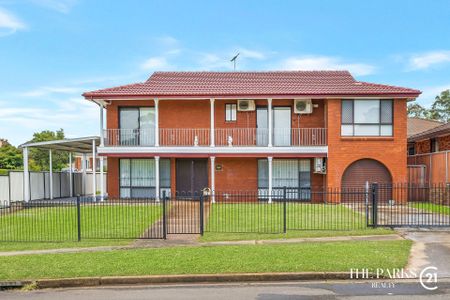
x=360, y=171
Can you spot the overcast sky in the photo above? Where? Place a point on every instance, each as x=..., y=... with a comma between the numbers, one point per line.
x=51, y=51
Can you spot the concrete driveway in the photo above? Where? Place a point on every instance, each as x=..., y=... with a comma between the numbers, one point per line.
x=430, y=248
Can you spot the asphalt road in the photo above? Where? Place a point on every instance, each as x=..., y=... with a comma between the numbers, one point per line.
x=260, y=291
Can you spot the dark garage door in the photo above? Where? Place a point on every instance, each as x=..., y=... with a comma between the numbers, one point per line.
x=356, y=175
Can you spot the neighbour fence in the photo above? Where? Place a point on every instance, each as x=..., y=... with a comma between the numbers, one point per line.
x=11, y=185
x=82, y=218
x=430, y=168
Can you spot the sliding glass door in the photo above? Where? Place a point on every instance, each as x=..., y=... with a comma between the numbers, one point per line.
x=281, y=126
x=137, y=126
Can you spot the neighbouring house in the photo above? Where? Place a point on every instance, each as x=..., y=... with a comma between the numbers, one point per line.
x=248, y=131
x=78, y=163
x=428, y=154
x=434, y=139
x=417, y=126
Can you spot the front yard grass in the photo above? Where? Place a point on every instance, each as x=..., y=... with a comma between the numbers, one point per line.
x=301, y=257
x=431, y=207
x=241, y=221
x=99, y=221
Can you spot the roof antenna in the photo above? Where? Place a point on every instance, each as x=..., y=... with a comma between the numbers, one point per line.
x=234, y=60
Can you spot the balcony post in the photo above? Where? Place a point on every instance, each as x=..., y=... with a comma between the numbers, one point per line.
x=212, y=133
x=102, y=138
x=269, y=111
x=156, y=100
x=270, y=159
x=157, y=178
x=102, y=190
x=213, y=178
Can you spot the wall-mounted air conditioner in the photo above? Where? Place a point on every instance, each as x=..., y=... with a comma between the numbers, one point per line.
x=320, y=165
x=246, y=105
x=303, y=106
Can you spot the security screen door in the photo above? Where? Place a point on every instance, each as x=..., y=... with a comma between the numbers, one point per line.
x=262, y=131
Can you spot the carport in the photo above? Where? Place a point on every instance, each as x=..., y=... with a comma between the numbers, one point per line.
x=82, y=145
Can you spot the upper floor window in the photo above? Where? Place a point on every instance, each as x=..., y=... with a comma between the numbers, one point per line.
x=230, y=112
x=367, y=117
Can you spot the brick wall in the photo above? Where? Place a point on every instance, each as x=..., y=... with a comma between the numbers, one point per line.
x=342, y=151
x=423, y=147
x=113, y=178
x=444, y=143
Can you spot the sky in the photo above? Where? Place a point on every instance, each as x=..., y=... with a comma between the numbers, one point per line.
x=52, y=51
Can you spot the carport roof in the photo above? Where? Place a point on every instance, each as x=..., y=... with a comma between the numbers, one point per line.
x=78, y=145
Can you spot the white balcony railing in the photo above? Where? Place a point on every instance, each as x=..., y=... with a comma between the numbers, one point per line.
x=234, y=137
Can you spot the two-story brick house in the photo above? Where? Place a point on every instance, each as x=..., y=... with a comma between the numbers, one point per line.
x=248, y=131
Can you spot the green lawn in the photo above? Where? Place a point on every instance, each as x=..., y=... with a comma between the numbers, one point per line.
x=268, y=218
x=60, y=223
x=302, y=257
x=431, y=207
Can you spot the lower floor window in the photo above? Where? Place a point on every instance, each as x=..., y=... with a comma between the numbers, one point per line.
x=137, y=177
x=294, y=174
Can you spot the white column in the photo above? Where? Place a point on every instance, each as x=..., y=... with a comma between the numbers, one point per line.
x=83, y=177
x=102, y=138
x=102, y=189
x=94, y=180
x=50, y=173
x=213, y=179
x=26, y=176
x=270, y=178
x=157, y=178
x=156, y=122
x=212, y=133
x=70, y=175
x=269, y=112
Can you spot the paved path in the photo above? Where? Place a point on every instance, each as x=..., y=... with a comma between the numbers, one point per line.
x=263, y=291
x=430, y=248
x=183, y=242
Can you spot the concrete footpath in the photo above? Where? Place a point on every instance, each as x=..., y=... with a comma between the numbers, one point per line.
x=193, y=243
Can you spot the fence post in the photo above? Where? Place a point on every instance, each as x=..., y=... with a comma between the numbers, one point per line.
x=284, y=210
x=375, y=204
x=164, y=215
x=78, y=218
x=201, y=214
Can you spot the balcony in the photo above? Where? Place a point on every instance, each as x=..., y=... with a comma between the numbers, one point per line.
x=223, y=137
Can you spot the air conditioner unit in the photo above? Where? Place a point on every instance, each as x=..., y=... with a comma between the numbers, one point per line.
x=246, y=105
x=303, y=106
x=320, y=165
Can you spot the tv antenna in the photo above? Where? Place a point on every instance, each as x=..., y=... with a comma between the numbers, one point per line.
x=233, y=60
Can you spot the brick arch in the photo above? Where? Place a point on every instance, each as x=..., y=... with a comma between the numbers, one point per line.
x=366, y=169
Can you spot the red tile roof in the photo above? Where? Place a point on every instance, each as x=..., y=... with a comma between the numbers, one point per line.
x=277, y=83
x=431, y=133
x=419, y=125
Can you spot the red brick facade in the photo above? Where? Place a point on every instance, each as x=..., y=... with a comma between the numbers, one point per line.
x=342, y=151
x=240, y=173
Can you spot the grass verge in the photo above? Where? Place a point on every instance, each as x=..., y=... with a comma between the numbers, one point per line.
x=302, y=257
x=21, y=246
x=219, y=236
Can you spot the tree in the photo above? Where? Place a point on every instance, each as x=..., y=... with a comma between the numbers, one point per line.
x=10, y=157
x=41, y=157
x=441, y=106
x=415, y=110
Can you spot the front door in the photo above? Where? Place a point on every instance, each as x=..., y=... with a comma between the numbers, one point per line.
x=191, y=176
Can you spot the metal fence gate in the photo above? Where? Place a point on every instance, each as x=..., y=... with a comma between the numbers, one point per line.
x=409, y=205
x=184, y=213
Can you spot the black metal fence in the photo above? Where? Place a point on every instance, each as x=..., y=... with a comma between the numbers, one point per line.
x=226, y=212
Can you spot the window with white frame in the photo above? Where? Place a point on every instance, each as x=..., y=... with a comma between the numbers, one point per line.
x=137, y=177
x=230, y=112
x=294, y=174
x=367, y=117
